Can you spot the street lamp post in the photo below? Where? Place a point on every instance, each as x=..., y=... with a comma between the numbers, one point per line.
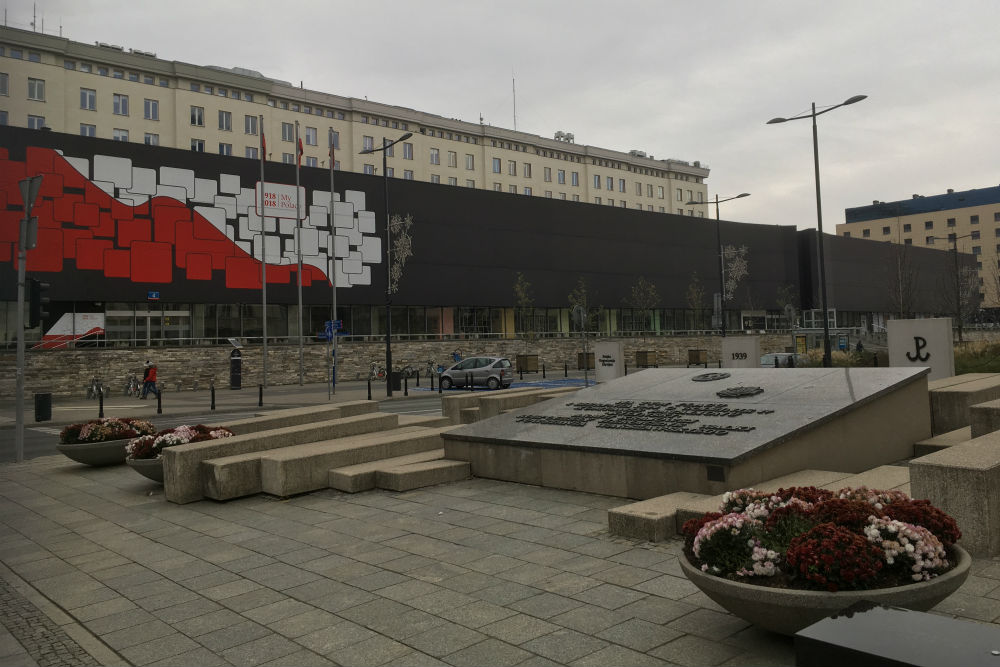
x=722, y=273
x=827, y=356
x=386, y=144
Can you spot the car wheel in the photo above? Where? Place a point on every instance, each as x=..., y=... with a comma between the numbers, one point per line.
x=492, y=383
x=446, y=382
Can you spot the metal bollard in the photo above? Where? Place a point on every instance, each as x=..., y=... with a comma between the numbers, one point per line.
x=100, y=403
x=468, y=381
x=212, y=391
x=418, y=378
x=406, y=386
x=565, y=370
x=875, y=359
x=369, y=389
x=520, y=373
x=543, y=371
x=439, y=383
x=159, y=402
x=260, y=395
x=432, y=381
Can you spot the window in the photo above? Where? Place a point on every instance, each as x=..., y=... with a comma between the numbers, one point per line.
x=452, y=180
x=88, y=99
x=164, y=83
x=407, y=151
x=512, y=189
x=496, y=187
x=496, y=165
x=649, y=190
x=287, y=132
x=547, y=174
x=312, y=137
x=151, y=139
x=561, y=177
x=36, y=122
x=133, y=76
x=151, y=109
x=407, y=174
x=4, y=84
x=36, y=89
x=610, y=182
x=597, y=200
x=527, y=170
x=973, y=219
x=86, y=67
x=226, y=121
x=198, y=145
x=195, y=87
x=907, y=227
x=209, y=90
x=390, y=172
x=996, y=217
x=120, y=135
x=621, y=185
x=847, y=235
x=222, y=92
x=88, y=130
x=435, y=156
x=527, y=190
x=435, y=178
x=929, y=224
x=597, y=182
x=469, y=183
x=251, y=152
x=367, y=143
x=369, y=169
x=16, y=53
x=148, y=79
x=907, y=241
x=952, y=238
x=975, y=235
x=312, y=162
x=102, y=71
x=611, y=202
x=680, y=195
x=929, y=240
x=452, y=159
x=69, y=64
x=885, y=231
x=250, y=125
x=512, y=167
x=287, y=158
x=548, y=194
x=225, y=149
x=976, y=250
x=198, y=116
x=575, y=181
x=470, y=162
x=638, y=189
x=866, y=233
x=659, y=192
x=951, y=222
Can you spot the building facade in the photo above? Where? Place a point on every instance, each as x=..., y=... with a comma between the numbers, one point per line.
x=967, y=220
x=107, y=91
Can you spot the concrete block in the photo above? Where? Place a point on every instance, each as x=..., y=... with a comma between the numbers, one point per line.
x=297, y=416
x=882, y=477
x=984, y=418
x=451, y=406
x=361, y=477
x=493, y=404
x=653, y=520
x=943, y=441
x=419, y=475
x=182, y=481
x=964, y=481
x=469, y=415
x=231, y=476
x=951, y=399
x=303, y=468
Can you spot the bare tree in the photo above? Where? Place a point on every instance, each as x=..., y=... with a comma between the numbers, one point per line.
x=402, y=248
x=645, y=297
x=524, y=308
x=579, y=297
x=787, y=298
x=695, y=295
x=902, y=281
x=737, y=268
x=962, y=295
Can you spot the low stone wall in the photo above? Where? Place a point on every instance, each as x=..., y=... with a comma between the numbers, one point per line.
x=69, y=372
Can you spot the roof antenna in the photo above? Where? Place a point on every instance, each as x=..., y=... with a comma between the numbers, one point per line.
x=513, y=85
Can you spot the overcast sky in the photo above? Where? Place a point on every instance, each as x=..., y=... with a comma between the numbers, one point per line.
x=685, y=80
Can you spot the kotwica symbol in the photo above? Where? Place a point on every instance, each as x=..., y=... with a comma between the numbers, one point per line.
x=919, y=343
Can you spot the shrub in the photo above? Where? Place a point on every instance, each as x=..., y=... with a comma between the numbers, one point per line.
x=105, y=429
x=151, y=446
x=922, y=513
x=834, y=558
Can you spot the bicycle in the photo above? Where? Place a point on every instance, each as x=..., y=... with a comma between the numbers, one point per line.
x=96, y=388
x=408, y=371
x=132, y=385
x=376, y=372
x=433, y=369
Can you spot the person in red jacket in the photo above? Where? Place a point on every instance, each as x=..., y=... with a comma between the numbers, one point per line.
x=149, y=381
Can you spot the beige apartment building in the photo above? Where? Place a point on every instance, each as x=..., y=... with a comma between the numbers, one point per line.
x=967, y=220
x=112, y=92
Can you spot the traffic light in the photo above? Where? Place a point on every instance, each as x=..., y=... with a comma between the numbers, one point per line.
x=36, y=301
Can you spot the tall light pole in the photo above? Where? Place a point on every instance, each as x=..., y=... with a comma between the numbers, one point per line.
x=827, y=356
x=386, y=144
x=718, y=243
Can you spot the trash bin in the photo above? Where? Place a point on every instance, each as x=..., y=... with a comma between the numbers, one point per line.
x=235, y=370
x=396, y=380
x=43, y=407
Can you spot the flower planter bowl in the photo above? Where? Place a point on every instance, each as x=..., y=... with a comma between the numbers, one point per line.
x=787, y=611
x=107, y=453
x=149, y=468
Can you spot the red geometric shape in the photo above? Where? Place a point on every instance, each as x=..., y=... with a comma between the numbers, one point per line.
x=90, y=253
x=39, y=160
x=107, y=226
x=96, y=195
x=70, y=238
x=166, y=216
x=3, y=199
x=71, y=177
x=279, y=275
x=52, y=185
x=63, y=207
x=6, y=250
x=3, y=153
x=44, y=211
x=132, y=230
x=117, y=263
x=152, y=262
x=86, y=215
x=10, y=225
x=199, y=266
x=10, y=173
x=120, y=211
x=242, y=273
x=48, y=254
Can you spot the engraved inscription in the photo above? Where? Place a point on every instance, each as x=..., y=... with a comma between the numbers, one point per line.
x=710, y=377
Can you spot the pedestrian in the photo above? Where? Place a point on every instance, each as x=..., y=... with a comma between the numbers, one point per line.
x=859, y=348
x=149, y=380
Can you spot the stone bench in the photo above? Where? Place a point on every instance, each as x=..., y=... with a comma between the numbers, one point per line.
x=182, y=480
x=984, y=418
x=951, y=398
x=452, y=406
x=943, y=441
x=361, y=476
x=964, y=481
x=304, y=415
x=483, y=406
x=418, y=475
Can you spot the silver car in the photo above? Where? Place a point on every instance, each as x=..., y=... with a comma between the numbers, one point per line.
x=489, y=372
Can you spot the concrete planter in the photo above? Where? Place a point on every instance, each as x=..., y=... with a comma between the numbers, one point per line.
x=149, y=468
x=107, y=453
x=787, y=611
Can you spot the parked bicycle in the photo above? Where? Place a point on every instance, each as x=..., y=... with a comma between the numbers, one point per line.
x=433, y=369
x=376, y=372
x=132, y=385
x=96, y=388
x=408, y=371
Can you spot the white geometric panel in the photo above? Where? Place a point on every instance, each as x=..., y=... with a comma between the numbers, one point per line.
x=343, y=215
x=271, y=225
x=357, y=198
x=204, y=190
x=273, y=248
x=229, y=183
x=245, y=246
x=118, y=170
x=230, y=233
x=246, y=198
x=253, y=220
x=365, y=278
x=342, y=246
x=286, y=226
x=133, y=200
x=322, y=198
x=82, y=165
x=318, y=262
x=343, y=280
x=182, y=178
x=351, y=265
x=310, y=241
x=228, y=203
x=289, y=249
x=243, y=230
x=172, y=191
x=216, y=216
x=355, y=237
x=143, y=181
x=366, y=222
x=107, y=186
x=371, y=249
x=318, y=217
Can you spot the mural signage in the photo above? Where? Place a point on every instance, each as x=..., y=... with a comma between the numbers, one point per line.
x=279, y=201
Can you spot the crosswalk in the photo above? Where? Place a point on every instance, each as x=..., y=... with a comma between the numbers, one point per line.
x=45, y=429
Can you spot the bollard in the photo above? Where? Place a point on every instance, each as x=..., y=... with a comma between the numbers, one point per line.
x=406, y=386
x=439, y=383
x=776, y=364
x=432, y=381
x=720, y=363
x=543, y=371
x=875, y=359
x=260, y=395
x=212, y=391
x=520, y=373
x=418, y=378
x=626, y=368
x=468, y=381
x=159, y=402
x=565, y=370
x=100, y=403
x=369, y=389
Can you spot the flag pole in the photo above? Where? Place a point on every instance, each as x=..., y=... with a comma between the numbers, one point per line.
x=333, y=273
x=263, y=248
x=298, y=249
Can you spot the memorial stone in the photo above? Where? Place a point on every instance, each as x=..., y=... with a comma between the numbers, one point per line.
x=923, y=343
x=610, y=360
x=741, y=352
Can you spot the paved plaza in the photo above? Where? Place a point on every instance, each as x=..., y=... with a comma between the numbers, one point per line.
x=96, y=568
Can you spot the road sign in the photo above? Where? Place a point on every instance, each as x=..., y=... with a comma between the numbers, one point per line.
x=338, y=324
x=152, y=296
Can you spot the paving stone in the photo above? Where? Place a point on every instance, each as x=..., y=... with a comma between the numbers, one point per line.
x=469, y=582
x=667, y=586
x=255, y=598
x=377, y=580
x=692, y=650
x=371, y=613
x=151, y=629
x=186, y=610
x=415, y=659
x=625, y=575
x=124, y=619
x=708, y=624
x=968, y=606
x=545, y=605
x=168, y=599
x=609, y=596
x=279, y=576
x=105, y=608
x=304, y=623
x=590, y=619
x=491, y=652
x=375, y=650
x=407, y=589
x=158, y=649
x=440, y=601
x=233, y=635
x=248, y=562
x=518, y=629
x=493, y=564
x=505, y=594
x=619, y=656
x=476, y=614
x=639, y=635
x=567, y=583
x=443, y=640
x=564, y=645
x=327, y=641
x=269, y=613
x=210, y=622
x=211, y=580
x=657, y=610
x=265, y=649
x=301, y=658
x=528, y=573
x=231, y=589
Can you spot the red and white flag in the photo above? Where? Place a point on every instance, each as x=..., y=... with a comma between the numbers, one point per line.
x=300, y=151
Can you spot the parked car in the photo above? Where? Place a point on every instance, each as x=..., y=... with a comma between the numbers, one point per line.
x=489, y=372
x=784, y=359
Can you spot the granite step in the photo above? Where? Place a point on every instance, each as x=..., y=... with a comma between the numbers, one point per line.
x=418, y=475
x=361, y=477
x=943, y=441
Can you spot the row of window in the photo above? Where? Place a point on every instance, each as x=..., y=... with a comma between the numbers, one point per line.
x=220, y=91
x=115, y=73
x=929, y=224
x=307, y=109
x=18, y=54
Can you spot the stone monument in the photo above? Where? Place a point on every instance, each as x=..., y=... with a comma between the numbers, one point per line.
x=923, y=343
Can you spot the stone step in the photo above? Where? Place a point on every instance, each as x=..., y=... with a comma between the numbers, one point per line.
x=951, y=399
x=293, y=470
x=984, y=418
x=468, y=415
x=427, y=421
x=361, y=477
x=418, y=475
x=653, y=520
x=943, y=441
x=273, y=419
